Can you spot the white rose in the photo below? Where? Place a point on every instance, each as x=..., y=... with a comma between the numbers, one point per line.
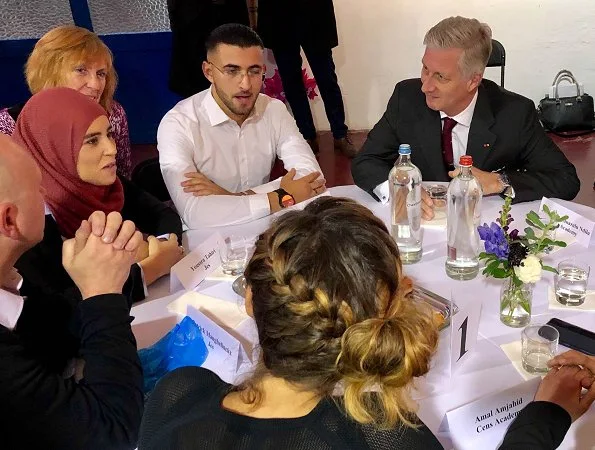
x=529, y=271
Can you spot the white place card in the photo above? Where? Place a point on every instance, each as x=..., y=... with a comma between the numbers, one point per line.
x=576, y=227
x=191, y=270
x=464, y=329
x=226, y=354
x=492, y=414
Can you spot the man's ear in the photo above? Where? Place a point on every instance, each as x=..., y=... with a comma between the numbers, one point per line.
x=248, y=301
x=207, y=70
x=8, y=220
x=475, y=81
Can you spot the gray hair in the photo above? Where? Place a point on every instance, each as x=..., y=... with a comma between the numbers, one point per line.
x=471, y=35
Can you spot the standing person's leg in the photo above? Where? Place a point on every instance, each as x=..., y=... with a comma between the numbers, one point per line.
x=323, y=68
x=289, y=63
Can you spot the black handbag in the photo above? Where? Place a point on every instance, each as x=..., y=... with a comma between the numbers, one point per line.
x=567, y=114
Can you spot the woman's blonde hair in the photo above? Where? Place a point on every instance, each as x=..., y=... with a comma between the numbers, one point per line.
x=59, y=51
x=471, y=35
x=331, y=306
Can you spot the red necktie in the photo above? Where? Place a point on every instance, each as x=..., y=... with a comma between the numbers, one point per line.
x=447, y=154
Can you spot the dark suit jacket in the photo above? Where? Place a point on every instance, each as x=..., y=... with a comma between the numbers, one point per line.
x=307, y=23
x=505, y=134
x=539, y=426
x=41, y=409
x=191, y=23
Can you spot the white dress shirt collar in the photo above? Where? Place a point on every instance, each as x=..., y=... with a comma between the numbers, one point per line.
x=11, y=305
x=216, y=114
x=466, y=116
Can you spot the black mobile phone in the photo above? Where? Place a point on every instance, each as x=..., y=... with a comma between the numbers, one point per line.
x=574, y=337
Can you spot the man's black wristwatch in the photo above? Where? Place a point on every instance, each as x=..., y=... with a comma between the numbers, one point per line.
x=285, y=198
x=507, y=190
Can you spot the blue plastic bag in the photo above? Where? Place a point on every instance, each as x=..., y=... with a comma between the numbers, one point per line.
x=182, y=346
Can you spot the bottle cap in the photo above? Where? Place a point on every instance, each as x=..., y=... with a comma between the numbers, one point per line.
x=404, y=149
x=466, y=161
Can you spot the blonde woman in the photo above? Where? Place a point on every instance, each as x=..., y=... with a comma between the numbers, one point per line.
x=74, y=57
x=326, y=289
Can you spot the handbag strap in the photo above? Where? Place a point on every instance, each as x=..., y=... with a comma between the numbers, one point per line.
x=566, y=75
x=560, y=73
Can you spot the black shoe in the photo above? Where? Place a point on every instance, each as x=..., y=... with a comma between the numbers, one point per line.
x=345, y=146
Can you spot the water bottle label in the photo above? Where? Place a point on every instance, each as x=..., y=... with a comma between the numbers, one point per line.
x=452, y=252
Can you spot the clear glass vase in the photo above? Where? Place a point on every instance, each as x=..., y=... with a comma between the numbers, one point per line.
x=515, y=304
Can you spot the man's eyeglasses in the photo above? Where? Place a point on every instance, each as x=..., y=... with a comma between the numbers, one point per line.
x=235, y=73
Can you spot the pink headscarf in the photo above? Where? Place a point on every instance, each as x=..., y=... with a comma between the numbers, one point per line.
x=52, y=126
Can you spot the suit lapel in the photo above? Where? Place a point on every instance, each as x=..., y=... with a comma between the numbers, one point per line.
x=481, y=139
x=429, y=129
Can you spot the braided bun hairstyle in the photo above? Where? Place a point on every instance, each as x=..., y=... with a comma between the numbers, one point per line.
x=330, y=305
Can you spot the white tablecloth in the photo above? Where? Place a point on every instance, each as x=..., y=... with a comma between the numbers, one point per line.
x=487, y=369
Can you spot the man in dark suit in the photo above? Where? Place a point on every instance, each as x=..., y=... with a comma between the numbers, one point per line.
x=97, y=402
x=451, y=111
x=287, y=25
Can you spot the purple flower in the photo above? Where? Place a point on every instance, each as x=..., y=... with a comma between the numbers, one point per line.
x=494, y=239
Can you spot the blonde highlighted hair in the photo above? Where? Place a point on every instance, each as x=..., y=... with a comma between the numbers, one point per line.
x=330, y=303
x=471, y=35
x=59, y=51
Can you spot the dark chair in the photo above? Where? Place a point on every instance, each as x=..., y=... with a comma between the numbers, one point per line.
x=147, y=175
x=498, y=58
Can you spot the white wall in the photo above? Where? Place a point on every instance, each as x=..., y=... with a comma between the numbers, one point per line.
x=381, y=44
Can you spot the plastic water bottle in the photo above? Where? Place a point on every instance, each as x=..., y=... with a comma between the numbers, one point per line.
x=463, y=214
x=405, y=206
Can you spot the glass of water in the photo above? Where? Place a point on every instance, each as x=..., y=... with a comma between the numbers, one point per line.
x=233, y=252
x=539, y=345
x=571, y=282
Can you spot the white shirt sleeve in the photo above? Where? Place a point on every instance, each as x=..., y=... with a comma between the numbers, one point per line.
x=176, y=149
x=382, y=192
x=292, y=148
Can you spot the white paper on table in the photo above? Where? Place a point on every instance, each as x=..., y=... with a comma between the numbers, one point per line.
x=226, y=353
x=513, y=351
x=575, y=227
x=588, y=305
x=483, y=423
x=191, y=270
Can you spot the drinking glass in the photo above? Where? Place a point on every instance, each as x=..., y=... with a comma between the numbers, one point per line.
x=571, y=282
x=233, y=252
x=539, y=345
x=437, y=193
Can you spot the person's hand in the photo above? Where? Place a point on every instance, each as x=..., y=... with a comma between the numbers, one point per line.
x=200, y=186
x=305, y=187
x=574, y=358
x=142, y=252
x=163, y=255
x=489, y=181
x=97, y=267
x=427, y=205
x=111, y=230
x=563, y=386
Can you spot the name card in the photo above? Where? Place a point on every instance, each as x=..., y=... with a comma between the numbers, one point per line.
x=490, y=415
x=197, y=265
x=464, y=329
x=226, y=354
x=576, y=227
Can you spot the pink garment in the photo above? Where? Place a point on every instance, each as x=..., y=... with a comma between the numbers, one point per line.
x=119, y=122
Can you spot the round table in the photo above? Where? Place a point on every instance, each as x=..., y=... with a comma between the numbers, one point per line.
x=487, y=369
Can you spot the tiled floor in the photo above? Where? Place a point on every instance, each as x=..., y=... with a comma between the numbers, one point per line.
x=337, y=168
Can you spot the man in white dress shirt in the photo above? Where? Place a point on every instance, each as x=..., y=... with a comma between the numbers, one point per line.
x=217, y=148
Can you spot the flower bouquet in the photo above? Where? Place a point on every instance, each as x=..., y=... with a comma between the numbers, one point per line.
x=273, y=87
x=517, y=258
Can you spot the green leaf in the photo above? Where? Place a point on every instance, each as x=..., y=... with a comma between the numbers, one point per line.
x=534, y=218
x=548, y=268
x=563, y=218
x=559, y=243
x=500, y=273
x=546, y=209
x=529, y=233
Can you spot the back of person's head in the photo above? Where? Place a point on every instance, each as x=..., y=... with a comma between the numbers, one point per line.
x=330, y=303
x=22, y=212
x=60, y=51
x=233, y=34
x=470, y=35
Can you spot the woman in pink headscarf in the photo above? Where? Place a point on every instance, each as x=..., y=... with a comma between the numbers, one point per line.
x=70, y=137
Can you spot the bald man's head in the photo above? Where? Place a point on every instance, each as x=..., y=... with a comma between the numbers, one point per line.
x=22, y=209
